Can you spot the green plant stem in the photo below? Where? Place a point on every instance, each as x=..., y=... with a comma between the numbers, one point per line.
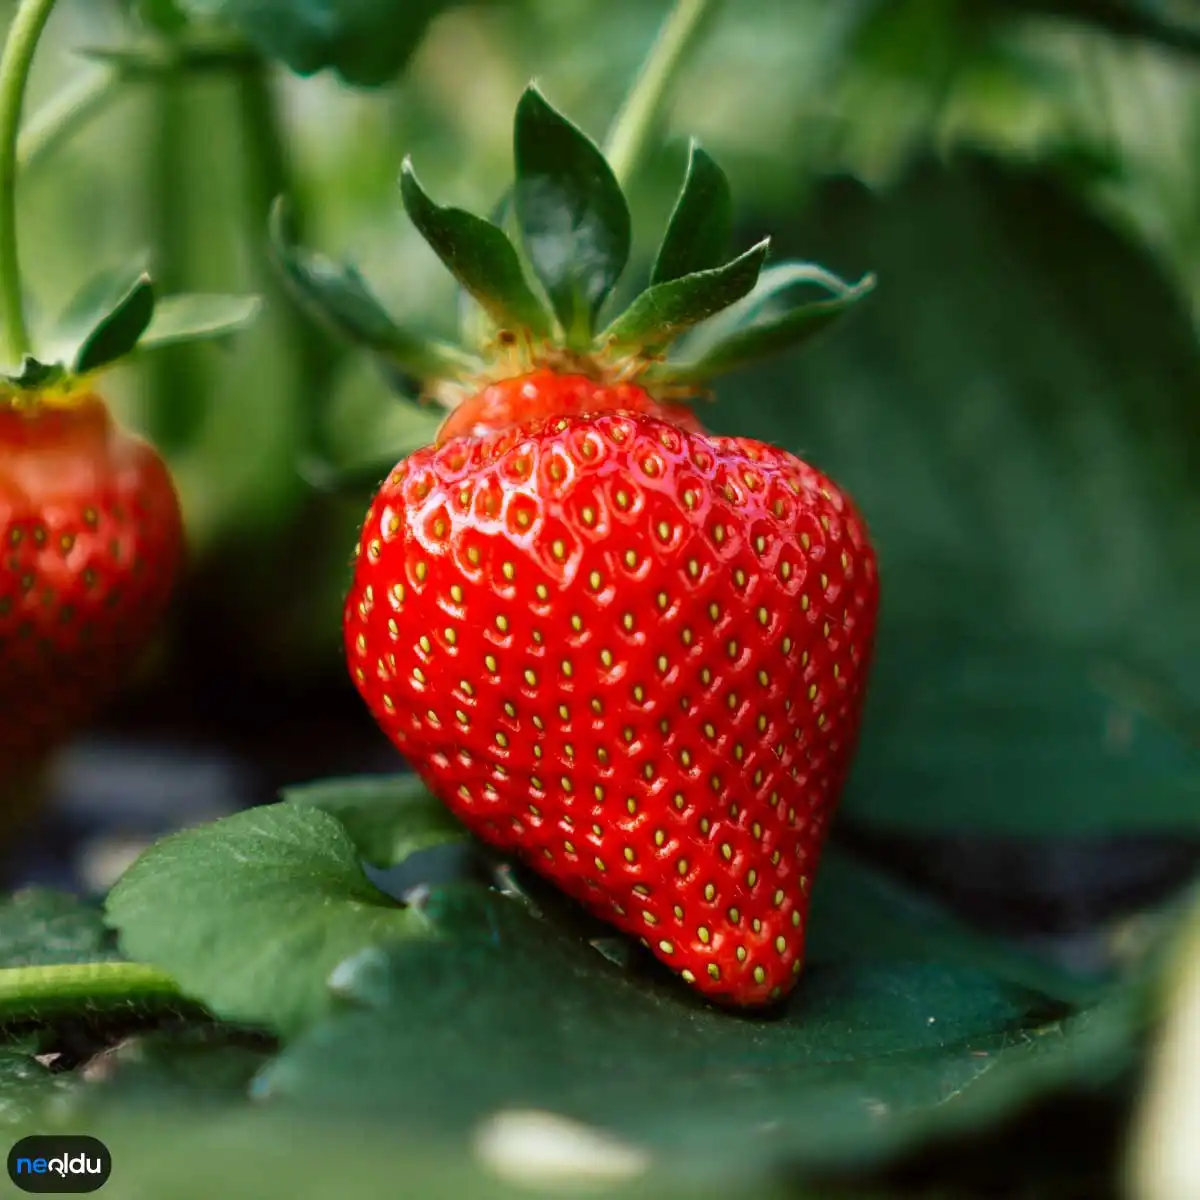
x=269, y=174
x=27, y=992
x=69, y=111
x=22, y=40
x=631, y=131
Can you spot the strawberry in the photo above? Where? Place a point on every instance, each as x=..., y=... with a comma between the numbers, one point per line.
x=624, y=650
x=634, y=656
x=91, y=534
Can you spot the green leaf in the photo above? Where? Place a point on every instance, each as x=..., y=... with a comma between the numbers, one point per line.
x=665, y=310
x=1015, y=415
x=574, y=221
x=763, y=326
x=26, y=1088
x=34, y=374
x=701, y=225
x=190, y=1155
x=105, y=319
x=339, y=296
x=251, y=914
x=193, y=316
x=388, y=817
x=40, y=927
x=368, y=42
x=868, y=1056
x=480, y=257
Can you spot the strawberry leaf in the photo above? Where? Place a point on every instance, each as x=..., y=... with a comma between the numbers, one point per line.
x=292, y=876
x=765, y=324
x=480, y=257
x=869, y=1056
x=1027, y=466
x=665, y=310
x=573, y=218
x=34, y=374
x=340, y=297
x=105, y=319
x=190, y=317
x=368, y=42
x=701, y=225
x=388, y=817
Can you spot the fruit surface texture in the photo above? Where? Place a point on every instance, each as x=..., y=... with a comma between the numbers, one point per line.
x=90, y=538
x=633, y=655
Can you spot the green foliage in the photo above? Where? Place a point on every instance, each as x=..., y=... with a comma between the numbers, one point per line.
x=575, y=224
x=39, y=927
x=907, y=1025
x=1014, y=414
x=701, y=226
x=480, y=257
x=665, y=310
x=252, y=914
x=368, y=42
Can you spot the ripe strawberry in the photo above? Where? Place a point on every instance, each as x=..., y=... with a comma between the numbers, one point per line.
x=633, y=655
x=627, y=651
x=91, y=534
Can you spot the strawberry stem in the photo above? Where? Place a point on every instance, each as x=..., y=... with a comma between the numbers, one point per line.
x=635, y=123
x=37, y=992
x=23, y=34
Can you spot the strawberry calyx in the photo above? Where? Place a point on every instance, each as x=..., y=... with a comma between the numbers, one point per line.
x=115, y=314
x=536, y=281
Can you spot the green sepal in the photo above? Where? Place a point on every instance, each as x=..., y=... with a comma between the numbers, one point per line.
x=33, y=375
x=701, y=226
x=193, y=316
x=665, y=310
x=340, y=296
x=106, y=319
x=757, y=327
x=479, y=255
x=574, y=221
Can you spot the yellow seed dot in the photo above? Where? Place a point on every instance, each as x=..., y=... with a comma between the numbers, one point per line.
x=598, y=792
x=501, y=741
x=685, y=757
x=689, y=498
x=714, y=972
x=648, y=916
x=566, y=667
x=741, y=954
x=660, y=836
x=735, y=916
x=558, y=548
x=631, y=805
x=588, y=514
x=606, y=657
x=594, y=581
x=508, y=570
x=542, y=591
x=630, y=855
x=450, y=636
x=489, y=661
x=693, y=568
x=678, y=913
x=502, y=623
x=510, y=709
x=760, y=976
x=726, y=851
x=666, y=947
x=682, y=866
x=631, y=558
x=705, y=825
x=710, y=892
x=622, y=499
x=795, y=917
x=418, y=675
x=530, y=677
x=662, y=600
x=751, y=877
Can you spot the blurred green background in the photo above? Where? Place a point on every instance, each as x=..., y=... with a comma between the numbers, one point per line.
x=1015, y=408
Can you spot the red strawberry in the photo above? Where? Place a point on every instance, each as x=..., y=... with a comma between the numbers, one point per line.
x=90, y=533
x=625, y=650
x=634, y=656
